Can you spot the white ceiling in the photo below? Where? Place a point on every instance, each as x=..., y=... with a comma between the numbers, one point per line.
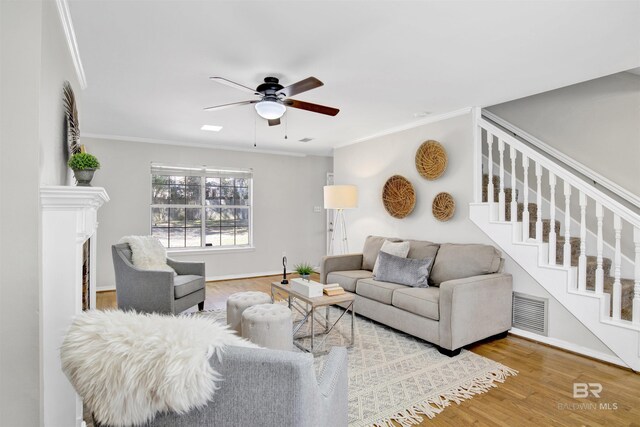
x=147, y=63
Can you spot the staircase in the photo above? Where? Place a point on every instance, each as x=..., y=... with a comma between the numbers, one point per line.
x=591, y=261
x=576, y=256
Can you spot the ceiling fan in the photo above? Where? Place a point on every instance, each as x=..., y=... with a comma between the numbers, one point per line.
x=274, y=98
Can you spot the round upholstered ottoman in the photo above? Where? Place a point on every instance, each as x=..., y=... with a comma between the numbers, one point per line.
x=268, y=325
x=239, y=302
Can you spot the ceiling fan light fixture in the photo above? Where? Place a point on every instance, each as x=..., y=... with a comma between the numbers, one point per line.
x=270, y=110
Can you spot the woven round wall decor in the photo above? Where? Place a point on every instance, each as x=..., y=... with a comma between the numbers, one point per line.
x=443, y=206
x=398, y=196
x=431, y=159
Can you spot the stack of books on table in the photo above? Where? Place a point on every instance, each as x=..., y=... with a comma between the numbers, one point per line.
x=333, y=289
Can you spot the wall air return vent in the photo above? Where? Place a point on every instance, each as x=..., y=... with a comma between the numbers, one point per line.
x=530, y=313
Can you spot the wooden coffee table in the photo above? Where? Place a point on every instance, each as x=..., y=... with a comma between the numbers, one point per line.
x=307, y=307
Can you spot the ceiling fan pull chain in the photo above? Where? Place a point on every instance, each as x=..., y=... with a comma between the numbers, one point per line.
x=286, y=127
x=255, y=130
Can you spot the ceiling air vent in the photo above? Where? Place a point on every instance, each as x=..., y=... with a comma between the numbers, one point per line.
x=530, y=313
x=306, y=139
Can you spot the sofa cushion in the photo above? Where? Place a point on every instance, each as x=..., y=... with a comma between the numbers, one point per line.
x=371, y=248
x=457, y=261
x=185, y=284
x=422, y=249
x=347, y=279
x=403, y=271
x=399, y=249
x=421, y=301
x=377, y=290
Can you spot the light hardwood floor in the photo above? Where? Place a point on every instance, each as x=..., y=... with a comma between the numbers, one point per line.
x=540, y=395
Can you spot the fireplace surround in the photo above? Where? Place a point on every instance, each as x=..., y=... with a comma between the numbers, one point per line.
x=68, y=245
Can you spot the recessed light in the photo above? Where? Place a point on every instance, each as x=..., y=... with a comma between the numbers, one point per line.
x=212, y=128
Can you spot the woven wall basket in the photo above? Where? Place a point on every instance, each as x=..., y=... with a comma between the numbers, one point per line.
x=443, y=206
x=398, y=196
x=431, y=159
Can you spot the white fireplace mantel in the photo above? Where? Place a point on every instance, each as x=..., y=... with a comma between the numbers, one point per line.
x=69, y=218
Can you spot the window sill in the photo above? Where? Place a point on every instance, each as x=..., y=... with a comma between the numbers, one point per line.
x=198, y=251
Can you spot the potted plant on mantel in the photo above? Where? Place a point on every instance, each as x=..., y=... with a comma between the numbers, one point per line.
x=304, y=270
x=83, y=165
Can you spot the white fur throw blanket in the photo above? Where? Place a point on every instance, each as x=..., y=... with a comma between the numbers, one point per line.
x=147, y=253
x=127, y=367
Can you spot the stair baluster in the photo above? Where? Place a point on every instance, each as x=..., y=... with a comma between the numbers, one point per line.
x=566, y=250
x=501, y=207
x=490, y=174
x=525, y=187
x=539, y=202
x=514, y=203
x=599, y=248
x=552, y=221
x=582, y=260
x=635, y=315
x=617, y=286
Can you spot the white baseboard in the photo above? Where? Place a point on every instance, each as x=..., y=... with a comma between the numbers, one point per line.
x=215, y=278
x=565, y=345
x=244, y=275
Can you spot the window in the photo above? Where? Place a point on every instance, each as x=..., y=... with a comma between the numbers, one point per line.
x=201, y=207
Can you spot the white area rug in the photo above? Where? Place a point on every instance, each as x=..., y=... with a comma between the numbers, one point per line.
x=396, y=377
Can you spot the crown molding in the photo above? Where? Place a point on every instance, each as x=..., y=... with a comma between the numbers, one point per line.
x=69, y=32
x=192, y=144
x=418, y=123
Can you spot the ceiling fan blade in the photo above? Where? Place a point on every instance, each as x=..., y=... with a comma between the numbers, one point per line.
x=316, y=108
x=233, y=104
x=301, y=86
x=274, y=122
x=235, y=85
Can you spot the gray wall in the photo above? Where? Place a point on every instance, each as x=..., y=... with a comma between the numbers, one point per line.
x=35, y=61
x=369, y=164
x=596, y=123
x=285, y=190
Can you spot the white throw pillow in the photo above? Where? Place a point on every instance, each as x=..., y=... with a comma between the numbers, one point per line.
x=147, y=253
x=400, y=249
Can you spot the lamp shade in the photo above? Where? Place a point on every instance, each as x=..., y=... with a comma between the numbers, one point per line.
x=270, y=110
x=340, y=196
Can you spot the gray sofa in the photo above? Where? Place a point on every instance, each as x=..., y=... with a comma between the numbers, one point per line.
x=271, y=388
x=468, y=299
x=151, y=291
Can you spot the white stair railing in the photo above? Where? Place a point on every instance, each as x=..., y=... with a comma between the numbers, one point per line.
x=572, y=184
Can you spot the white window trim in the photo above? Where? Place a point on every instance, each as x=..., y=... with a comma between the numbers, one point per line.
x=206, y=249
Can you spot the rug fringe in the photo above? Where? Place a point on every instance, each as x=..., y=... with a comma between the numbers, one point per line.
x=434, y=405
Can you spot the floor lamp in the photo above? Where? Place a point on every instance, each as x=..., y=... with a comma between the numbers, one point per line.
x=339, y=198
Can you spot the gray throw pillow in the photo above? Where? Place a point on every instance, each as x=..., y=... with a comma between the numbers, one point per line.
x=403, y=271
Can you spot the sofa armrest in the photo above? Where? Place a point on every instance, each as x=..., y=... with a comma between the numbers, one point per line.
x=334, y=388
x=339, y=263
x=187, y=267
x=474, y=308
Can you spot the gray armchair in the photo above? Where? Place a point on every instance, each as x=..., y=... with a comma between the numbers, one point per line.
x=157, y=291
x=272, y=388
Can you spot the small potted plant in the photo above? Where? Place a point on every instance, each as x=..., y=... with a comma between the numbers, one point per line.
x=83, y=166
x=304, y=270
